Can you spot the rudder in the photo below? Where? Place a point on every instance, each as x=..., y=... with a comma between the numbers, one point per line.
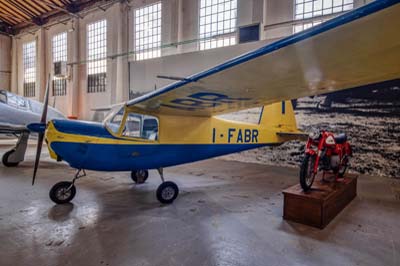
x=280, y=118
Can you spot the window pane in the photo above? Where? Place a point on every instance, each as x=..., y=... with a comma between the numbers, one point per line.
x=314, y=8
x=148, y=31
x=29, y=64
x=217, y=23
x=140, y=126
x=59, y=52
x=97, y=56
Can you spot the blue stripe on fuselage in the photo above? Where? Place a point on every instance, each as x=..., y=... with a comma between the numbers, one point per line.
x=111, y=157
x=91, y=129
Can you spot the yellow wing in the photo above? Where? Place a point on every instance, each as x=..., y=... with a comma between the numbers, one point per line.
x=361, y=47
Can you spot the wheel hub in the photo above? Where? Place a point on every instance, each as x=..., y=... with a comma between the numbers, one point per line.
x=63, y=193
x=168, y=193
x=140, y=174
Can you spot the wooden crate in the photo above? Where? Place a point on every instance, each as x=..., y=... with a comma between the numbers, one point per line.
x=321, y=204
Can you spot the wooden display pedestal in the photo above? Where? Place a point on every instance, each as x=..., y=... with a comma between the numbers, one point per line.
x=321, y=204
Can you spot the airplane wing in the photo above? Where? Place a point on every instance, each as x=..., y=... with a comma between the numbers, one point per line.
x=361, y=47
x=12, y=129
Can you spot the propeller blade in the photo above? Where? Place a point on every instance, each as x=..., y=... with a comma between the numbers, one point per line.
x=46, y=102
x=37, y=159
x=41, y=134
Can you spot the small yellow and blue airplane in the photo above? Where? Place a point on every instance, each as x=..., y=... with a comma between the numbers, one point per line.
x=178, y=124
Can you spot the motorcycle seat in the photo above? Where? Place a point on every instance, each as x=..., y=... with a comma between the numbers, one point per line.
x=341, y=138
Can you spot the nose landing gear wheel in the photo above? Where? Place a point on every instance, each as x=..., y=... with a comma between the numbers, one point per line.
x=62, y=192
x=167, y=192
x=139, y=176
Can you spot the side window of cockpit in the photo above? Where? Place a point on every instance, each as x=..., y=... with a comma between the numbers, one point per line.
x=132, y=126
x=3, y=97
x=141, y=126
x=150, y=128
x=22, y=103
x=12, y=100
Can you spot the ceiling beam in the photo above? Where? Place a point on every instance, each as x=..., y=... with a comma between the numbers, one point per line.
x=70, y=9
x=12, y=20
x=9, y=8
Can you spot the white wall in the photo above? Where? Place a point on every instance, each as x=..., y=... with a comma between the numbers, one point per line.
x=5, y=62
x=144, y=73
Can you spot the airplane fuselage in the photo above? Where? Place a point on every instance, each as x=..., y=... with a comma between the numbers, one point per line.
x=21, y=111
x=93, y=146
x=97, y=149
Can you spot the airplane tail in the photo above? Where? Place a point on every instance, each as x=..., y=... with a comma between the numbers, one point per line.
x=279, y=118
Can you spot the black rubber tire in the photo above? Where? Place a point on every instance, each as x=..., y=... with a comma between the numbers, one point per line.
x=304, y=169
x=167, y=192
x=134, y=176
x=5, y=159
x=342, y=170
x=56, y=189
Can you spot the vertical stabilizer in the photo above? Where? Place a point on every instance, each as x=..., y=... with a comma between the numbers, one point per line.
x=280, y=118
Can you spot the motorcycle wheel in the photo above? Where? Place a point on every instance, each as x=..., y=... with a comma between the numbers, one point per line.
x=343, y=167
x=307, y=175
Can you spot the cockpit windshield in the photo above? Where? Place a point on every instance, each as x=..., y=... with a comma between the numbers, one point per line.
x=135, y=125
x=114, y=119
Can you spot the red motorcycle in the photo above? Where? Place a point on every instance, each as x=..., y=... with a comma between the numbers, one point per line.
x=326, y=152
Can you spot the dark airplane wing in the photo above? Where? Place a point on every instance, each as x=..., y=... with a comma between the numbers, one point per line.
x=12, y=129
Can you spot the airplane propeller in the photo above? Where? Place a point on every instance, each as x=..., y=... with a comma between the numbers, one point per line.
x=40, y=128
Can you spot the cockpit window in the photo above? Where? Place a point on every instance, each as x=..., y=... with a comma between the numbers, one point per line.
x=16, y=101
x=136, y=125
x=113, y=121
x=132, y=126
x=22, y=103
x=141, y=126
x=3, y=97
x=12, y=100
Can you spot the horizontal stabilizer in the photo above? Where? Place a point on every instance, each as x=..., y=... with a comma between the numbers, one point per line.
x=293, y=135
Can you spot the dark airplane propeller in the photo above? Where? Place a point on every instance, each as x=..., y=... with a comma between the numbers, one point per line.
x=41, y=128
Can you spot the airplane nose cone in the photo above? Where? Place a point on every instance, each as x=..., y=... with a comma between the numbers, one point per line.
x=37, y=127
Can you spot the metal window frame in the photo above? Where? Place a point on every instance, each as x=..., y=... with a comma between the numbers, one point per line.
x=214, y=37
x=59, y=54
x=96, y=53
x=148, y=43
x=29, y=65
x=324, y=11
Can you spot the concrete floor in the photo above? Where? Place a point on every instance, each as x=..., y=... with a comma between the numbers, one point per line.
x=228, y=213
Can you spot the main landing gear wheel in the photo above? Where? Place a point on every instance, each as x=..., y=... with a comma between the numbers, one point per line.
x=62, y=192
x=167, y=192
x=139, y=176
x=6, y=161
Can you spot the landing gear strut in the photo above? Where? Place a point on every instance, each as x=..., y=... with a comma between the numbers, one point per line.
x=168, y=191
x=13, y=157
x=64, y=191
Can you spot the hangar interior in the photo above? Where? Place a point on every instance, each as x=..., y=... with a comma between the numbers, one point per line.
x=230, y=210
